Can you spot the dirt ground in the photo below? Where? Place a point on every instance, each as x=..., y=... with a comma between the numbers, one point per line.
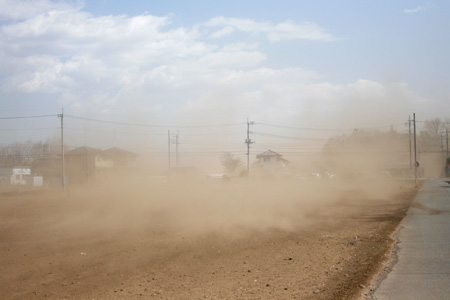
x=290, y=240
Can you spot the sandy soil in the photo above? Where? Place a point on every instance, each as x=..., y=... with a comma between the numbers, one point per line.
x=211, y=241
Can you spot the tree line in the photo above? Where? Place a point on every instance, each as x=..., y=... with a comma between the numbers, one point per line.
x=26, y=153
x=431, y=137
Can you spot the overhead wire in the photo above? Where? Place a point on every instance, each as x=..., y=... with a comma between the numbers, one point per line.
x=285, y=137
x=25, y=129
x=153, y=125
x=212, y=145
x=27, y=117
x=325, y=129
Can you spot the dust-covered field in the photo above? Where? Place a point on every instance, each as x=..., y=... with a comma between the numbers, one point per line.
x=199, y=240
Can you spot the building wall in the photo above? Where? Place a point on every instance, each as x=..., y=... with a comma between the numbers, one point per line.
x=80, y=168
x=270, y=162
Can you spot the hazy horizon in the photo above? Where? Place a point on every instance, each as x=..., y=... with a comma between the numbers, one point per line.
x=302, y=72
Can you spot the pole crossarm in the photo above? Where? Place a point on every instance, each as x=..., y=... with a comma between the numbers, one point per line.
x=248, y=141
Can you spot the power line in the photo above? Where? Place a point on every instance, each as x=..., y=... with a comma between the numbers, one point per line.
x=301, y=128
x=324, y=129
x=27, y=117
x=153, y=125
x=286, y=137
x=24, y=129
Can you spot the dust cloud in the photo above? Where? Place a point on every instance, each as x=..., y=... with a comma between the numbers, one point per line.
x=186, y=202
x=186, y=207
x=148, y=193
x=135, y=230
x=187, y=236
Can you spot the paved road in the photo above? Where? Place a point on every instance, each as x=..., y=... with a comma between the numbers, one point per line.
x=423, y=267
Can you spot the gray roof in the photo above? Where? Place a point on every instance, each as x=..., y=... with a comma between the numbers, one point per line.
x=118, y=151
x=83, y=151
x=268, y=153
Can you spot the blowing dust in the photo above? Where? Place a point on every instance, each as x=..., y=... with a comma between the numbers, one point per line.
x=230, y=209
x=269, y=235
x=289, y=198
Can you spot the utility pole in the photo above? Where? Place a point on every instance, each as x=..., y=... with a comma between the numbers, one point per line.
x=62, y=149
x=86, y=159
x=87, y=166
x=248, y=141
x=176, y=147
x=447, y=166
x=170, y=141
x=416, y=163
x=168, y=146
x=410, y=152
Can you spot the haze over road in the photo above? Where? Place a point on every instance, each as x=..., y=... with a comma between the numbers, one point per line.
x=423, y=267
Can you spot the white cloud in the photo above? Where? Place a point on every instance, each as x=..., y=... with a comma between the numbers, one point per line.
x=23, y=9
x=307, y=31
x=413, y=10
x=418, y=8
x=245, y=25
x=117, y=64
x=274, y=32
x=227, y=30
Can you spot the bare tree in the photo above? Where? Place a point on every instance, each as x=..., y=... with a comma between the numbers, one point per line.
x=13, y=155
x=434, y=127
x=25, y=153
x=230, y=163
x=430, y=135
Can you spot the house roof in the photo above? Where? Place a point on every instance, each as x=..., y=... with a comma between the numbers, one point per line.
x=93, y=151
x=268, y=153
x=118, y=151
x=83, y=151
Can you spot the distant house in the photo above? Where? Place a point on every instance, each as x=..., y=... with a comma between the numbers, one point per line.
x=85, y=164
x=271, y=160
x=80, y=164
x=119, y=157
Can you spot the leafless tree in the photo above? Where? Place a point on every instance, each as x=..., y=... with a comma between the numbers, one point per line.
x=25, y=153
x=434, y=127
x=230, y=163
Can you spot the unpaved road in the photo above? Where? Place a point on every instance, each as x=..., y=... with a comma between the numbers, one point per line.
x=233, y=241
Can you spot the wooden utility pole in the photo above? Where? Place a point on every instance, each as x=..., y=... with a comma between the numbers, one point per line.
x=62, y=150
x=248, y=141
x=176, y=148
x=416, y=163
x=168, y=147
x=410, y=152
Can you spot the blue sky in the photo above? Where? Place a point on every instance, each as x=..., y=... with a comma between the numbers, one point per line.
x=375, y=38
x=306, y=64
